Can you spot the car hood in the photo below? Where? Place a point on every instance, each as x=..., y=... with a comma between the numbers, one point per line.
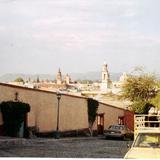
x=143, y=153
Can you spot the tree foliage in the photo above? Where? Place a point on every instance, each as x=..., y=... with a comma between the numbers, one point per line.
x=140, y=89
x=141, y=107
x=19, y=79
x=156, y=101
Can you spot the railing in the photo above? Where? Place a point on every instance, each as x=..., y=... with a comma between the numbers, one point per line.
x=145, y=122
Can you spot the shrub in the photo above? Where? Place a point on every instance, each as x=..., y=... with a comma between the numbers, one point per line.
x=13, y=114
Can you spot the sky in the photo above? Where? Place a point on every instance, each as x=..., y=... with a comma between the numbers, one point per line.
x=41, y=36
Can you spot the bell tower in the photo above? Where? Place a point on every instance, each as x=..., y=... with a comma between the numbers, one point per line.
x=67, y=79
x=105, y=84
x=59, y=77
x=105, y=74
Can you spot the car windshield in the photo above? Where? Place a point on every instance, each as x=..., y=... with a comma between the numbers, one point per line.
x=148, y=140
x=116, y=127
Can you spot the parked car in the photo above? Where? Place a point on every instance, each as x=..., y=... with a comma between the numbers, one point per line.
x=146, y=145
x=119, y=131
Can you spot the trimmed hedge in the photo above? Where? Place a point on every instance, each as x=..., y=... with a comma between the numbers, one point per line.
x=13, y=114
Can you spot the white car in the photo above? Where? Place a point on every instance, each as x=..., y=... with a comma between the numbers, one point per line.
x=146, y=145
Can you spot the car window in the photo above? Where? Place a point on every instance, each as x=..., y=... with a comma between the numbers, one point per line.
x=148, y=140
x=116, y=127
x=112, y=127
x=121, y=127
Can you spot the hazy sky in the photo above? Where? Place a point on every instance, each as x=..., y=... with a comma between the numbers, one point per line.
x=39, y=36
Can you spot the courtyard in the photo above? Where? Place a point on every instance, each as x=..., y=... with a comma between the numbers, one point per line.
x=72, y=147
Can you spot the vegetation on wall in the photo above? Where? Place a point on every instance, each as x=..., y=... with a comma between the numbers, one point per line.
x=140, y=89
x=92, y=112
x=13, y=114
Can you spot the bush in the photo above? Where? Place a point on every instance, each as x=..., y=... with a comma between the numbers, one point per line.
x=13, y=114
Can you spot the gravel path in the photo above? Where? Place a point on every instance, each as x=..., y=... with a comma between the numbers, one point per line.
x=81, y=147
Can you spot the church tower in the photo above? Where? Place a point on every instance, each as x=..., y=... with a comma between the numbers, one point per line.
x=105, y=74
x=105, y=84
x=59, y=77
x=67, y=79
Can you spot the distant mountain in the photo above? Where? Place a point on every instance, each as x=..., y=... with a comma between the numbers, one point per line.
x=93, y=76
x=74, y=76
x=12, y=77
x=86, y=76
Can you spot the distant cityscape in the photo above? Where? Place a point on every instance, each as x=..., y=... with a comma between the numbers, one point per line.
x=92, y=75
x=96, y=85
x=88, y=77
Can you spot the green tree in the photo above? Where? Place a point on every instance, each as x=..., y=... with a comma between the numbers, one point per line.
x=19, y=79
x=140, y=89
x=156, y=101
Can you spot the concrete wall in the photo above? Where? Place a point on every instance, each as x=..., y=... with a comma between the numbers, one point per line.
x=43, y=114
x=73, y=113
x=111, y=114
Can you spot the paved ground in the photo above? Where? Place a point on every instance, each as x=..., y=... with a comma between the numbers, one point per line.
x=81, y=147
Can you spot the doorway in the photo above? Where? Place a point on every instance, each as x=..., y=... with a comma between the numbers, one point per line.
x=100, y=123
x=121, y=120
